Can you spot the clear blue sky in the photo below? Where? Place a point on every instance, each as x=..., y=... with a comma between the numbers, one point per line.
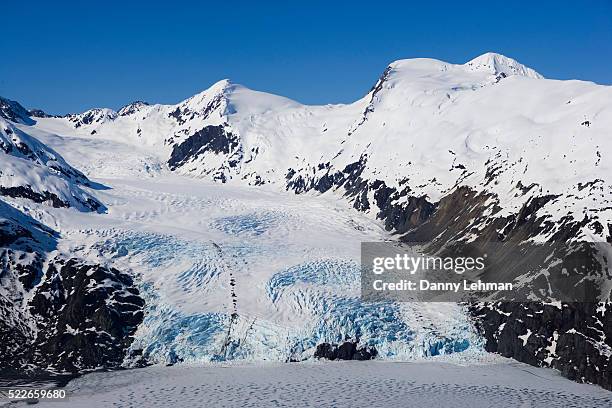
x=70, y=56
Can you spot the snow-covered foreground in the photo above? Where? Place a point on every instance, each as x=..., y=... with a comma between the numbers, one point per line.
x=338, y=384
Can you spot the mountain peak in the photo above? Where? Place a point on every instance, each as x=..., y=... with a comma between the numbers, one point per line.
x=14, y=112
x=39, y=113
x=500, y=64
x=132, y=107
x=215, y=91
x=222, y=84
x=92, y=117
x=218, y=87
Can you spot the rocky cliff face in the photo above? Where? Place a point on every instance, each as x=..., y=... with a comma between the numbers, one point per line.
x=23, y=243
x=13, y=111
x=60, y=314
x=573, y=338
x=57, y=312
x=86, y=316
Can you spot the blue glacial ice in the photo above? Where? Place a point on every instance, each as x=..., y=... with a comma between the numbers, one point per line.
x=250, y=224
x=323, y=293
x=337, y=273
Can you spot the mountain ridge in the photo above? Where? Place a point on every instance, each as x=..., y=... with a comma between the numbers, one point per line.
x=495, y=62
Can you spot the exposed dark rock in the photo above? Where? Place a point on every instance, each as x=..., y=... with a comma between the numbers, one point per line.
x=132, y=108
x=14, y=112
x=84, y=314
x=91, y=117
x=326, y=351
x=398, y=218
x=209, y=139
x=346, y=351
x=349, y=178
x=87, y=315
x=24, y=192
x=571, y=337
x=39, y=113
x=46, y=197
x=182, y=113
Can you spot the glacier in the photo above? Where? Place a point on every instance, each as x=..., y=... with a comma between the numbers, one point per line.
x=239, y=213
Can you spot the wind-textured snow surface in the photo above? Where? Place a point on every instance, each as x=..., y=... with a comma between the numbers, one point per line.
x=340, y=384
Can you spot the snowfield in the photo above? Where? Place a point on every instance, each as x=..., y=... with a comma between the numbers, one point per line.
x=491, y=384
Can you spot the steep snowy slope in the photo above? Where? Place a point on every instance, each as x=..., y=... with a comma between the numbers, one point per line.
x=29, y=169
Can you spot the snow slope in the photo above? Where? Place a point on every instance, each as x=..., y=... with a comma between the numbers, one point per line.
x=31, y=170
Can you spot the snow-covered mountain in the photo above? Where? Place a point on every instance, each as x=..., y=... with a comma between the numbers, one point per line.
x=487, y=151
x=500, y=65
x=426, y=128
x=31, y=170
